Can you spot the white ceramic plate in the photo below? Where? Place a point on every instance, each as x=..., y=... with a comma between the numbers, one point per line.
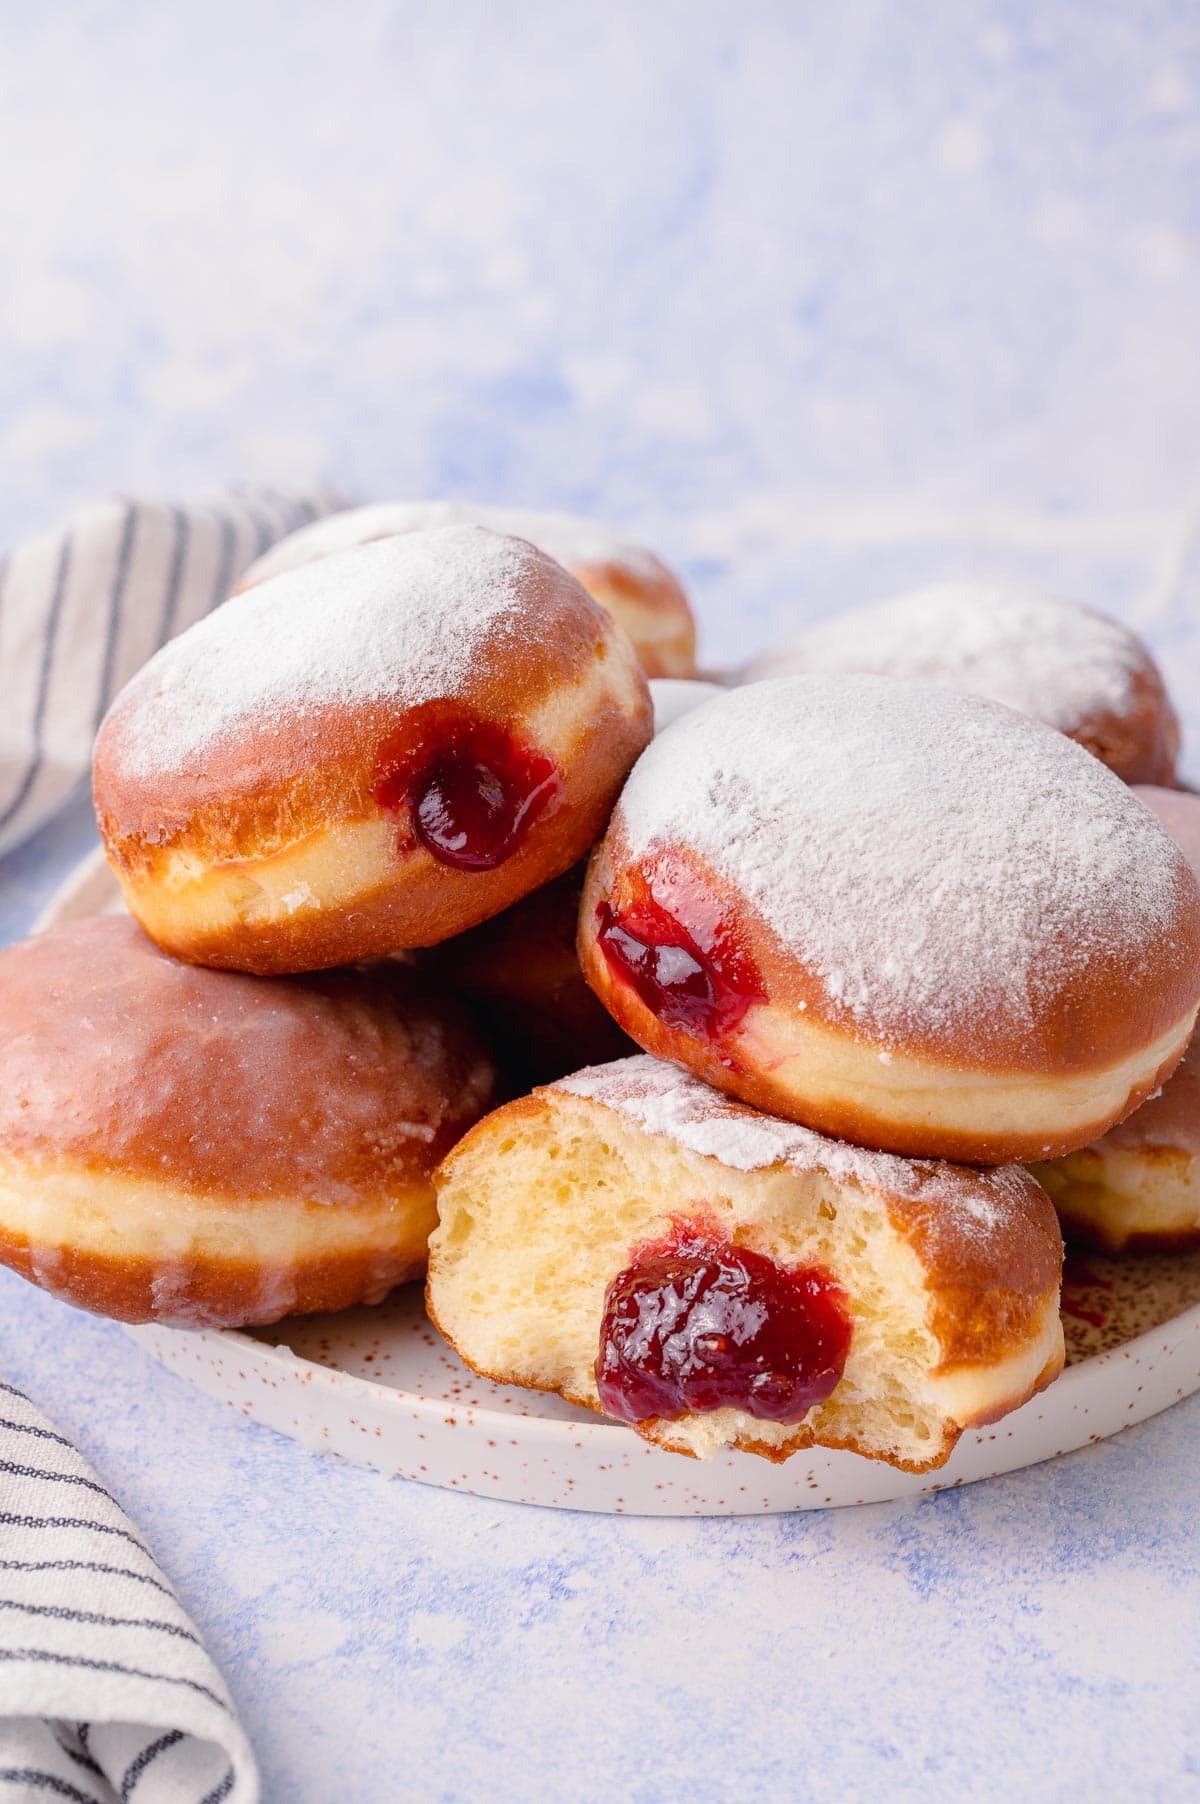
x=379, y=1387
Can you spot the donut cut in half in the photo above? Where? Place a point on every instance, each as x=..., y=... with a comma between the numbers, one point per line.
x=717, y=1278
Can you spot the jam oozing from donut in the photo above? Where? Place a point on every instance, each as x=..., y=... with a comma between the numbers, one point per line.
x=471, y=790
x=696, y=1323
x=702, y=990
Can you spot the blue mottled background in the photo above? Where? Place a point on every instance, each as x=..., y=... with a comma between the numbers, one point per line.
x=823, y=300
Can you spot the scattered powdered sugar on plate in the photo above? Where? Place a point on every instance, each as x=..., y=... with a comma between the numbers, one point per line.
x=402, y=619
x=665, y=1100
x=565, y=538
x=1039, y=653
x=938, y=862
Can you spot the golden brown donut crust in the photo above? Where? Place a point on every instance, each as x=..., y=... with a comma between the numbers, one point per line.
x=269, y=785
x=1141, y=744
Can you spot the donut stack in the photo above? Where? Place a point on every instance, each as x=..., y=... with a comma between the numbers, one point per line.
x=784, y=1000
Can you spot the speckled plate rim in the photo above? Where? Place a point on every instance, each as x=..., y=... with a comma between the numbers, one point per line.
x=601, y=1466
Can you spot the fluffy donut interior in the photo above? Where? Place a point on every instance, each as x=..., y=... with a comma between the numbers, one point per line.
x=1111, y=1196
x=541, y=1207
x=144, y=1250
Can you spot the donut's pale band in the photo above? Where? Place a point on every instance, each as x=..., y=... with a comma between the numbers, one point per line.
x=74, y=1212
x=969, y=1396
x=1040, y=1115
x=1112, y=1195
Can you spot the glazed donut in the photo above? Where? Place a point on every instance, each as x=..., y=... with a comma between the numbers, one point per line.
x=368, y=754
x=624, y=577
x=207, y=1149
x=907, y=917
x=1139, y=1185
x=520, y=971
x=718, y=1278
x=1040, y=654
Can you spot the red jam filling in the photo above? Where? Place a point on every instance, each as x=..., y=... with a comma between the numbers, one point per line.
x=695, y=1323
x=701, y=989
x=471, y=791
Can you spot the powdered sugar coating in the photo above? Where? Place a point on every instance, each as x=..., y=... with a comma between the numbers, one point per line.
x=570, y=541
x=940, y=864
x=664, y=1100
x=1039, y=653
x=402, y=620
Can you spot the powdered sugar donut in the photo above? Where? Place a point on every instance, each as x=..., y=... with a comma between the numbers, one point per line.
x=1047, y=657
x=368, y=754
x=1139, y=1185
x=901, y=915
x=623, y=576
x=208, y=1149
x=715, y=1277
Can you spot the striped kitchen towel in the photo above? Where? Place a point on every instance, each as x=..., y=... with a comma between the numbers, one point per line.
x=83, y=606
x=107, y=1695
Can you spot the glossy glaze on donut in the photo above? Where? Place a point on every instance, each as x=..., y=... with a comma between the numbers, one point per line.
x=374, y=752
x=623, y=576
x=205, y=1148
x=1048, y=657
x=904, y=916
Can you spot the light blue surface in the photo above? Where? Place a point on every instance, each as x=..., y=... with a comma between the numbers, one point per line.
x=826, y=301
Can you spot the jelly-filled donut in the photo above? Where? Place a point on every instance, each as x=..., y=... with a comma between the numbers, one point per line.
x=208, y=1149
x=631, y=582
x=520, y=970
x=904, y=916
x=1139, y=1185
x=371, y=753
x=715, y=1277
x=1047, y=657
